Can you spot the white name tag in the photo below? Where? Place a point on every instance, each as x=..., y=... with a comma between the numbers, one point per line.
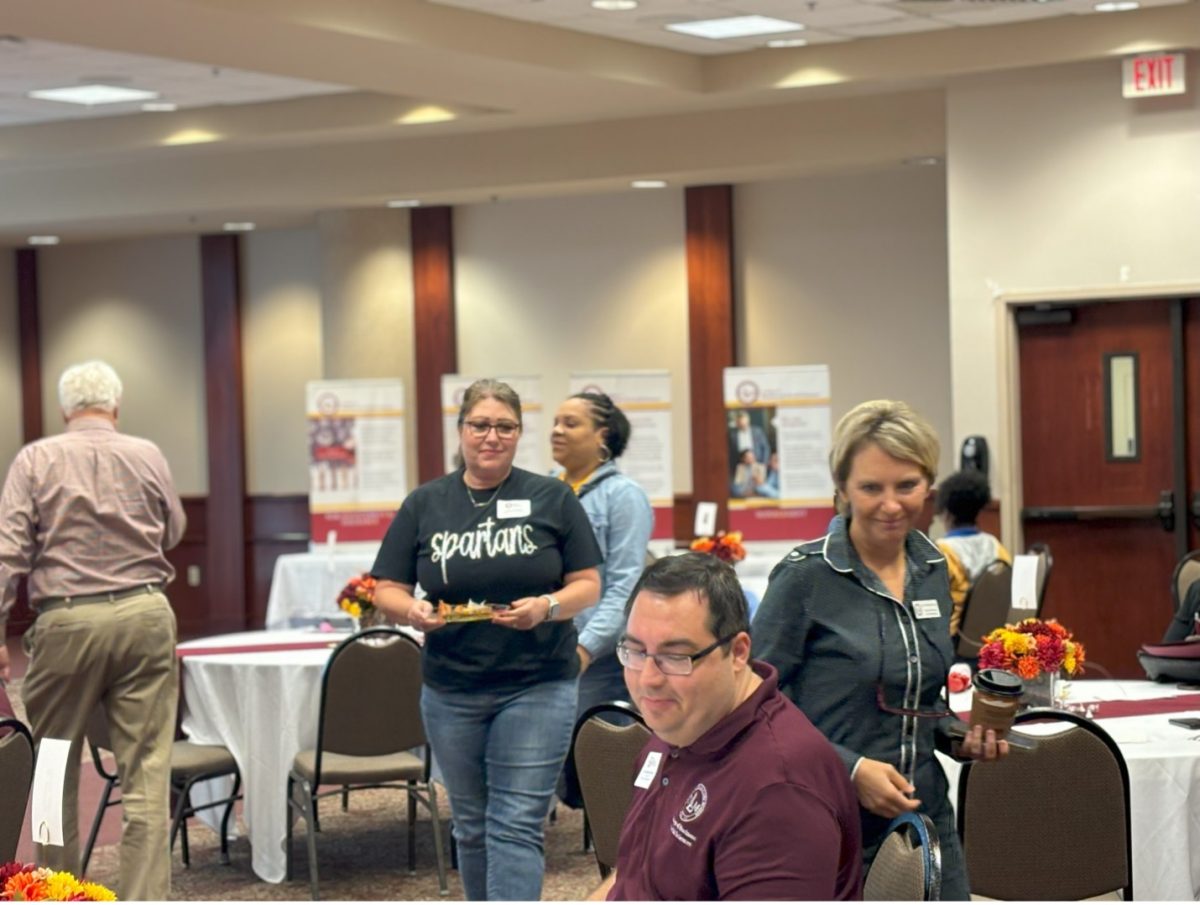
x=927, y=609
x=649, y=770
x=512, y=508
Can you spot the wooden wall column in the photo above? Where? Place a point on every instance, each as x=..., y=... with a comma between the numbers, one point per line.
x=225, y=577
x=711, y=343
x=29, y=337
x=434, y=332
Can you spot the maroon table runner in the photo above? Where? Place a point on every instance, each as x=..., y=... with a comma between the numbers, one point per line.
x=1110, y=709
x=257, y=648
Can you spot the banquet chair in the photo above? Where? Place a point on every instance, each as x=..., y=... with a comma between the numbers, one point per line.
x=605, y=757
x=1045, y=567
x=1187, y=571
x=190, y=764
x=985, y=608
x=1075, y=785
x=16, y=777
x=365, y=741
x=908, y=865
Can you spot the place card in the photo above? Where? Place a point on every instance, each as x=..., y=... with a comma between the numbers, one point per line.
x=48, y=778
x=1024, y=583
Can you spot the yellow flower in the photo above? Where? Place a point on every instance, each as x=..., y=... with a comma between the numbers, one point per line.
x=61, y=886
x=97, y=893
x=354, y=609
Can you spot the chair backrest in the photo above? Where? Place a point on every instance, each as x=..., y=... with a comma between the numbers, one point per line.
x=1045, y=567
x=606, y=761
x=16, y=778
x=1187, y=570
x=985, y=608
x=908, y=864
x=1075, y=786
x=371, y=696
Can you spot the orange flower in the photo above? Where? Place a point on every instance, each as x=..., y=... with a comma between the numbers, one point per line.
x=1027, y=667
x=25, y=887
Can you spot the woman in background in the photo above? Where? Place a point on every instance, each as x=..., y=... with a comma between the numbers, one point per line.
x=499, y=695
x=857, y=623
x=589, y=435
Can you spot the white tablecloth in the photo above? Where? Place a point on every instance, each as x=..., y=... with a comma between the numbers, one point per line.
x=1164, y=786
x=263, y=707
x=305, y=585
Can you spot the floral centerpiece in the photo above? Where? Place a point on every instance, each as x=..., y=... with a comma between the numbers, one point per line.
x=1038, y=651
x=357, y=599
x=27, y=883
x=725, y=547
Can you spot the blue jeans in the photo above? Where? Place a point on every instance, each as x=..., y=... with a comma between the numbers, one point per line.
x=500, y=755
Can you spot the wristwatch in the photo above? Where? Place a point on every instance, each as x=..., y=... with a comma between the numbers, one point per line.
x=552, y=610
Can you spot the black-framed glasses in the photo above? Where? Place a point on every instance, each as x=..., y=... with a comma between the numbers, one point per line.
x=505, y=430
x=917, y=712
x=668, y=664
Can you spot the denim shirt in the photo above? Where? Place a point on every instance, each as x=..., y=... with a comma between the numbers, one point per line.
x=622, y=519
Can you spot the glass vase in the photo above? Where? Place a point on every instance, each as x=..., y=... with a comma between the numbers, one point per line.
x=1041, y=692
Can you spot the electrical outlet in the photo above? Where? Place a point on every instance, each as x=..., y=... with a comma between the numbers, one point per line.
x=193, y=576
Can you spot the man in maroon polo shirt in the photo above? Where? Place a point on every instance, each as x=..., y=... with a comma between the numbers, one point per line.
x=738, y=796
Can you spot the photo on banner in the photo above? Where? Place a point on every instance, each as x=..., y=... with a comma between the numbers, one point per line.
x=356, y=459
x=645, y=398
x=531, y=453
x=779, y=430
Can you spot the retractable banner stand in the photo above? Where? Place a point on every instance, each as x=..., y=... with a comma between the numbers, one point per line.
x=779, y=432
x=645, y=398
x=531, y=450
x=356, y=456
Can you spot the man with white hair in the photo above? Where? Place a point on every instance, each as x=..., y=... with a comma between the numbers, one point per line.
x=87, y=515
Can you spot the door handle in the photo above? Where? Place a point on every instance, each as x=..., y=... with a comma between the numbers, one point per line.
x=1166, y=510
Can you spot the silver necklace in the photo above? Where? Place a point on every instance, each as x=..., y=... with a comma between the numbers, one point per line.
x=482, y=505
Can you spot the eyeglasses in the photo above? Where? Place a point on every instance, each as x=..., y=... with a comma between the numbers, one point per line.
x=668, y=664
x=880, y=702
x=505, y=430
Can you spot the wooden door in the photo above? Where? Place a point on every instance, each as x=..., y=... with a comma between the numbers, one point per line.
x=1100, y=509
x=1191, y=367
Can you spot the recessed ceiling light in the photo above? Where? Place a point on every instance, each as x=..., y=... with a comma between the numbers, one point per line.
x=734, y=27
x=191, y=137
x=92, y=95
x=43, y=240
x=429, y=113
x=615, y=6
x=1116, y=6
x=787, y=42
x=649, y=184
x=404, y=202
x=159, y=107
x=239, y=227
x=922, y=161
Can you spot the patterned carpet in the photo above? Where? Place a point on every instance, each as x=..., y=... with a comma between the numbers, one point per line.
x=362, y=856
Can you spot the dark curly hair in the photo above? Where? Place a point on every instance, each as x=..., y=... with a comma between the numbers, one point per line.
x=963, y=495
x=605, y=414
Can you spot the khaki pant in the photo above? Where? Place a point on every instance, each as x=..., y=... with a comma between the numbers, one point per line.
x=122, y=655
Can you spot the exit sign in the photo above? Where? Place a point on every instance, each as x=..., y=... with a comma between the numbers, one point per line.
x=1153, y=74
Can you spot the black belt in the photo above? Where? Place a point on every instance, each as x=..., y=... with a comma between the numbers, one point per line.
x=54, y=603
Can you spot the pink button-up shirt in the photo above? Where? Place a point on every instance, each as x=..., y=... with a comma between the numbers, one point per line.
x=88, y=511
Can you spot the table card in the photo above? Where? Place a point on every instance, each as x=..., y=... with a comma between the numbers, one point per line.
x=1024, y=584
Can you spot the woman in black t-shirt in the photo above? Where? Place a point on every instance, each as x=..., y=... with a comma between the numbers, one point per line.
x=499, y=696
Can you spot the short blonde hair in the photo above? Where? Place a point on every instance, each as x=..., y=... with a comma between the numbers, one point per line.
x=89, y=385
x=892, y=426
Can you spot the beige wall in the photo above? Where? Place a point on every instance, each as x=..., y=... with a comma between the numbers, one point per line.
x=10, y=361
x=281, y=351
x=367, y=302
x=850, y=271
x=551, y=286
x=136, y=304
x=1056, y=183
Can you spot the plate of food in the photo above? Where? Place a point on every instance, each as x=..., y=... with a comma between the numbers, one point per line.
x=467, y=612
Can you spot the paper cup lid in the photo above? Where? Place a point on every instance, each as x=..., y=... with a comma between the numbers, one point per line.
x=999, y=681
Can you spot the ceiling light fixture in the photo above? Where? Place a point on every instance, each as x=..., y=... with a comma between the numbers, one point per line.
x=404, y=202
x=787, y=42
x=420, y=116
x=649, y=183
x=734, y=27
x=244, y=226
x=191, y=137
x=159, y=107
x=92, y=95
x=43, y=240
x=925, y=160
x=1116, y=6
x=615, y=6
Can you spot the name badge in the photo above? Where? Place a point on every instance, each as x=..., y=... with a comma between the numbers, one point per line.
x=512, y=508
x=927, y=609
x=649, y=770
